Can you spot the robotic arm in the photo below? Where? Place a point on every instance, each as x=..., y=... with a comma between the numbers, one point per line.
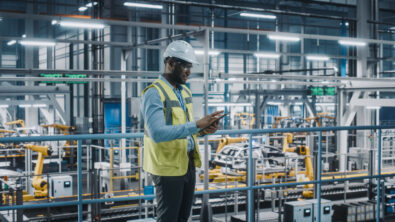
x=19, y=121
x=40, y=185
x=64, y=129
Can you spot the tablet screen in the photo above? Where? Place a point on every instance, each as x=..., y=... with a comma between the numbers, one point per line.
x=222, y=116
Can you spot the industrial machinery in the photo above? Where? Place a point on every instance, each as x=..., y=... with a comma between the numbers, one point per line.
x=319, y=118
x=39, y=183
x=21, y=122
x=307, y=210
x=60, y=186
x=246, y=119
x=278, y=119
x=2, y=132
x=64, y=129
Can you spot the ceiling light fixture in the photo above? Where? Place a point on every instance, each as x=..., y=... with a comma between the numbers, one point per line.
x=267, y=55
x=82, y=8
x=254, y=15
x=90, y=4
x=352, y=43
x=39, y=105
x=274, y=103
x=284, y=38
x=37, y=43
x=12, y=42
x=141, y=5
x=372, y=107
x=86, y=25
x=3, y=106
x=317, y=58
x=210, y=52
x=24, y=105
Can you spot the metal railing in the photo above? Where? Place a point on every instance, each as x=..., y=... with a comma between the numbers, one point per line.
x=80, y=202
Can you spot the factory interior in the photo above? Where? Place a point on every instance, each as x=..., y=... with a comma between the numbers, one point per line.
x=308, y=87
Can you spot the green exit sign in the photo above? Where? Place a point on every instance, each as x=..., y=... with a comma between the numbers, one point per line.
x=76, y=76
x=322, y=91
x=60, y=75
x=56, y=75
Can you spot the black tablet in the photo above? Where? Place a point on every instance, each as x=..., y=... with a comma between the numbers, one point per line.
x=219, y=118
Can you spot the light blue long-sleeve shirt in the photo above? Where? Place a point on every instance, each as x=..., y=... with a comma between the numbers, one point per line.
x=154, y=118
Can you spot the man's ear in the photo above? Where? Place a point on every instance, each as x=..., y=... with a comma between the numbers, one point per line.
x=171, y=64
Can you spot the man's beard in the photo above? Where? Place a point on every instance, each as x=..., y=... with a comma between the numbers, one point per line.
x=176, y=77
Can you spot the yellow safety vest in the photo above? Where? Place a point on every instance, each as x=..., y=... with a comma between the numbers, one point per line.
x=170, y=158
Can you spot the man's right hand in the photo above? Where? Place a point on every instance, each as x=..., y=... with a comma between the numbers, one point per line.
x=207, y=120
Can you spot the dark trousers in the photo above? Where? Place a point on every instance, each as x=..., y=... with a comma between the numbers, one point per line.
x=174, y=195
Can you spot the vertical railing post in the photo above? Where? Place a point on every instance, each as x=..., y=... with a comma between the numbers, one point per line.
x=249, y=176
x=379, y=176
x=319, y=176
x=79, y=176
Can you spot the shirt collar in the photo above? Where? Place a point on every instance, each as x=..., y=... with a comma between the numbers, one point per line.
x=179, y=87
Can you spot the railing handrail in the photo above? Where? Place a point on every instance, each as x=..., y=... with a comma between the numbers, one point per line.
x=219, y=132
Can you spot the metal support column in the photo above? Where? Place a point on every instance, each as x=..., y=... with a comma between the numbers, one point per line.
x=79, y=176
x=379, y=174
x=318, y=185
x=249, y=176
x=206, y=214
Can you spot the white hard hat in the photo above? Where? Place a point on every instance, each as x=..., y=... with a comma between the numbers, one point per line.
x=181, y=50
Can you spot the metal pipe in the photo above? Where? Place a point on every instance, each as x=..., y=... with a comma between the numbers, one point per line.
x=249, y=173
x=254, y=9
x=319, y=174
x=74, y=71
x=179, y=27
x=219, y=132
x=79, y=166
x=379, y=177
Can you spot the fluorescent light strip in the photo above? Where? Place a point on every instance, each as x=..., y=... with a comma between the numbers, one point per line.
x=37, y=43
x=25, y=105
x=82, y=8
x=283, y=38
x=12, y=42
x=39, y=105
x=229, y=104
x=3, y=106
x=352, y=43
x=141, y=5
x=325, y=104
x=82, y=25
x=210, y=52
x=258, y=15
x=267, y=55
x=372, y=107
x=274, y=103
x=317, y=58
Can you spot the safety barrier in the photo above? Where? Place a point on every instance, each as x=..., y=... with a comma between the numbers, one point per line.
x=80, y=202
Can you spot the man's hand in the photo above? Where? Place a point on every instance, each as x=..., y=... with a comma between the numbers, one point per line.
x=207, y=120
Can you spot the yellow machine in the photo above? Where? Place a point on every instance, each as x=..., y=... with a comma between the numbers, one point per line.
x=1, y=135
x=19, y=121
x=64, y=129
x=246, y=116
x=229, y=140
x=309, y=172
x=278, y=119
x=39, y=183
x=318, y=118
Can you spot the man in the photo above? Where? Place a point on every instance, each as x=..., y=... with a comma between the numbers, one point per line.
x=170, y=148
